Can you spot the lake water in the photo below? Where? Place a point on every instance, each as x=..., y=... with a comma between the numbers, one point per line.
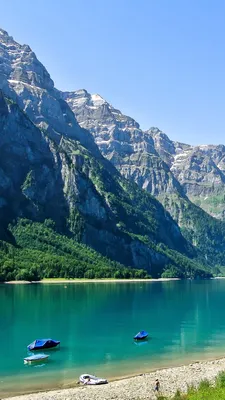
x=96, y=323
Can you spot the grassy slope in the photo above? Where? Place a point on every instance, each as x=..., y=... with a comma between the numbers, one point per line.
x=206, y=233
x=213, y=204
x=205, y=391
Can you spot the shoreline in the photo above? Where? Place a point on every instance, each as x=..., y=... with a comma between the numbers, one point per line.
x=83, y=280
x=136, y=387
x=103, y=280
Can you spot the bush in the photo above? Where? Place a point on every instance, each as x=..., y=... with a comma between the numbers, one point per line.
x=220, y=380
x=204, y=385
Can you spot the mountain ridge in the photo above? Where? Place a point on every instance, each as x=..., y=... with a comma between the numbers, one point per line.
x=195, y=171
x=51, y=168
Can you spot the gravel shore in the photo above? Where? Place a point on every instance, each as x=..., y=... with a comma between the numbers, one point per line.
x=138, y=387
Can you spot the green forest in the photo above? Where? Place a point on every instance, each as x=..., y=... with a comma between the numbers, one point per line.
x=40, y=253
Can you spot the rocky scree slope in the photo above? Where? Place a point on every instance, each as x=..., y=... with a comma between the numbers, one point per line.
x=51, y=168
x=159, y=166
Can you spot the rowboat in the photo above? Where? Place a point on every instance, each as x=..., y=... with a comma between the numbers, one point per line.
x=35, y=358
x=87, y=379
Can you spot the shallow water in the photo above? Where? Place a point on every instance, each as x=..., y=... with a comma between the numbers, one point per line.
x=96, y=323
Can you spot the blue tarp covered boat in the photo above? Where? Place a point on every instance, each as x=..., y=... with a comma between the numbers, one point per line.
x=36, y=358
x=43, y=344
x=141, y=335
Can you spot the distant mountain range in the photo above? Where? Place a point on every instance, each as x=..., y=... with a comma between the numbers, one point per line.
x=150, y=158
x=57, y=169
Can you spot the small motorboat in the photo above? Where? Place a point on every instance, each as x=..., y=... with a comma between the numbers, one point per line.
x=141, y=335
x=43, y=344
x=87, y=379
x=35, y=358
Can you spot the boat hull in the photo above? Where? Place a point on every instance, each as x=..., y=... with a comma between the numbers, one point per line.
x=141, y=338
x=36, y=359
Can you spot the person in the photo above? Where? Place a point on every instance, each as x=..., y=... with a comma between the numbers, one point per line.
x=157, y=385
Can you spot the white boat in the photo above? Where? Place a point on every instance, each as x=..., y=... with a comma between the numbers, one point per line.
x=87, y=379
x=35, y=358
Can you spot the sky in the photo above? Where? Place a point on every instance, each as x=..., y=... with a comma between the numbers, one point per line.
x=161, y=62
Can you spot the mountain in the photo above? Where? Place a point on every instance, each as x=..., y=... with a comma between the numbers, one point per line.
x=51, y=169
x=121, y=140
x=24, y=79
x=150, y=158
x=199, y=169
x=176, y=173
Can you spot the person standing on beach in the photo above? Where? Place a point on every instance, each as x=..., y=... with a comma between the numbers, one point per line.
x=157, y=385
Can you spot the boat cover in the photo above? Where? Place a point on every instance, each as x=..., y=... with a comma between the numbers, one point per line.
x=141, y=335
x=43, y=344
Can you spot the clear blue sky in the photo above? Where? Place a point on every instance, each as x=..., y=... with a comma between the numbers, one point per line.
x=160, y=61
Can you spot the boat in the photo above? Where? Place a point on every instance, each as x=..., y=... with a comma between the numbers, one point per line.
x=141, y=335
x=87, y=379
x=35, y=358
x=43, y=344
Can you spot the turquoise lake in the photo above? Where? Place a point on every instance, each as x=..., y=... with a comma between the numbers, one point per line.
x=96, y=322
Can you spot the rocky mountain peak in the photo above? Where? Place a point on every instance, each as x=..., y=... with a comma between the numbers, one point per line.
x=97, y=100
x=159, y=136
x=164, y=146
x=24, y=79
x=3, y=32
x=154, y=131
x=81, y=98
x=96, y=107
x=121, y=140
x=19, y=63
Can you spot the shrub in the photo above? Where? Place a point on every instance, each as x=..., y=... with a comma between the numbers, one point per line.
x=220, y=380
x=204, y=385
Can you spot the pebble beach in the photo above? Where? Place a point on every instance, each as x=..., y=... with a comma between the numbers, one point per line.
x=139, y=387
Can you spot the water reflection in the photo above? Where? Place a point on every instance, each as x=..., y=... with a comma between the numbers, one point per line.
x=140, y=343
